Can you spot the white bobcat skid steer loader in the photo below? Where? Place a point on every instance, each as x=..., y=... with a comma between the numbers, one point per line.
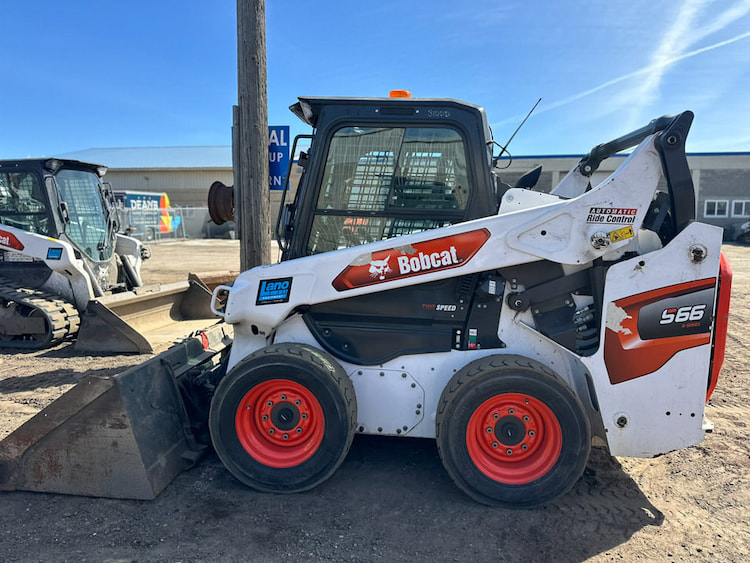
x=512, y=339
x=66, y=273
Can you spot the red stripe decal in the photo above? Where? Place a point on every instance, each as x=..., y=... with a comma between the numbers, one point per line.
x=405, y=261
x=652, y=329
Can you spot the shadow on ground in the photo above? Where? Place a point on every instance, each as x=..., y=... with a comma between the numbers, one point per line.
x=391, y=500
x=56, y=378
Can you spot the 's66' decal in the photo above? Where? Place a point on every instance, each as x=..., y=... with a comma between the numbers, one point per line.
x=683, y=314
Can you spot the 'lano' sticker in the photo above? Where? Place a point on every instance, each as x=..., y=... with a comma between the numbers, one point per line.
x=274, y=291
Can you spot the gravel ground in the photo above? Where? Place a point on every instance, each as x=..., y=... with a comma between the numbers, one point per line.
x=391, y=500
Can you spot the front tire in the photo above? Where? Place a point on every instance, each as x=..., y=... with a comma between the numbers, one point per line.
x=283, y=419
x=511, y=433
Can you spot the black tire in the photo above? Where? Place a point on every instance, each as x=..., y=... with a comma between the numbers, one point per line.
x=510, y=433
x=283, y=419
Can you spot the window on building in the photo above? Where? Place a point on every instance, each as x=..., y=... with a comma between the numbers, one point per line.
x=716, y=208
x=741, y=208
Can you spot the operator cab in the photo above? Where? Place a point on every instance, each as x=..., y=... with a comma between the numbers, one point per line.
x=60, y=199
x=379, y=168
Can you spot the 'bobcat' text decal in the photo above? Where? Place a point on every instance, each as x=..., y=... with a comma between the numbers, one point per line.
x=411, y=260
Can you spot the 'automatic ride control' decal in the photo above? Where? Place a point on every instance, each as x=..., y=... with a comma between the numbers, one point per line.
x=412, y=260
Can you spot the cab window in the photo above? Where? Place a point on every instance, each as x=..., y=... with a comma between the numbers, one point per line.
x=22, y=202
x=88, y=227
x=383, y=182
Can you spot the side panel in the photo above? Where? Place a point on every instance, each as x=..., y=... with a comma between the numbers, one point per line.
x=59, y=257
x=561, y=232
x=400, y=397
x=651, y=370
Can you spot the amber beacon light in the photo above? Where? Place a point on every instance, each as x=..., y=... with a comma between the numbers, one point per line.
x=400, y=94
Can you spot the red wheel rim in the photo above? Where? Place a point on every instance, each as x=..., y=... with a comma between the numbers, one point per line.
x=514, y=438
x=280, y=423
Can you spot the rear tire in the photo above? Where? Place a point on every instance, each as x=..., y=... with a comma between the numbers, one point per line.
x=511, y=433
x=283, y=419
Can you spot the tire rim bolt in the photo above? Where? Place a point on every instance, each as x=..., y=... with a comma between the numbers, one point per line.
x=271, y=431
x=495, y=416
x=525, y=418
x=286, y=436
x=265, y=417
x=532, y=433
x=269, y=403
x=297, y=402
x=283, y=397
x=524, y=447
x=511, y=411
x=304, y=416
x=495, y=444
x=299, y=430
x=509, y=451
x=489, y=430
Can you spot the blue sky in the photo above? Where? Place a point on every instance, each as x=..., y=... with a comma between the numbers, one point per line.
x=85, y=74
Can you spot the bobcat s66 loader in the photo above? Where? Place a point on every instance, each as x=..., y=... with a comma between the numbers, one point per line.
x=512, y=337
x=420, y=296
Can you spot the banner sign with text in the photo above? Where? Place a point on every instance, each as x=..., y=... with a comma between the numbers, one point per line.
x=278, y=155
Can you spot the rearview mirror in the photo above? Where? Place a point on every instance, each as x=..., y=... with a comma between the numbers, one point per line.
x=64, y=212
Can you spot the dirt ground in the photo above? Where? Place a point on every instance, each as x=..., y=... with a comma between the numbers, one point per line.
x=391, y=500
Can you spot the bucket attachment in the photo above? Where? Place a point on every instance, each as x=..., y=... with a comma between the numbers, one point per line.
x=141, y=320
x=215, y=278
x=126, y=436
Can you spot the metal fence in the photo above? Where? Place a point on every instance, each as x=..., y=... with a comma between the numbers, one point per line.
x=186, y=222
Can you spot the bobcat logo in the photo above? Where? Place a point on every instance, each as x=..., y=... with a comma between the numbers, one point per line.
x=379, y=268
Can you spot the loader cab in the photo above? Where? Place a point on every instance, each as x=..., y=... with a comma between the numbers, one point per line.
x=85, y=205
x=62, y=199
x=379, y=168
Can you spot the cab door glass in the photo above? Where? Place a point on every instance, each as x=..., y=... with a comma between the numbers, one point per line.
x=88, y=228
x=22, y=203
x=383, y=182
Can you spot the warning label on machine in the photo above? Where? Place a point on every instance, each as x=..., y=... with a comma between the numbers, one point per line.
x=621, y=234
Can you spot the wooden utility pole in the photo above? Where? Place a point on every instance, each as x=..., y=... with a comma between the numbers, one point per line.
x=250, y=137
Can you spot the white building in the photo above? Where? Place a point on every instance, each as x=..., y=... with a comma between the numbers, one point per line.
x=722, y=180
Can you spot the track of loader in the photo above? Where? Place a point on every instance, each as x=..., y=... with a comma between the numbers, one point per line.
x=34, y=319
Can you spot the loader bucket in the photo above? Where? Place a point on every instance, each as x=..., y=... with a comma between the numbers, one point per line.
x=125, y=436
x=145, y=319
